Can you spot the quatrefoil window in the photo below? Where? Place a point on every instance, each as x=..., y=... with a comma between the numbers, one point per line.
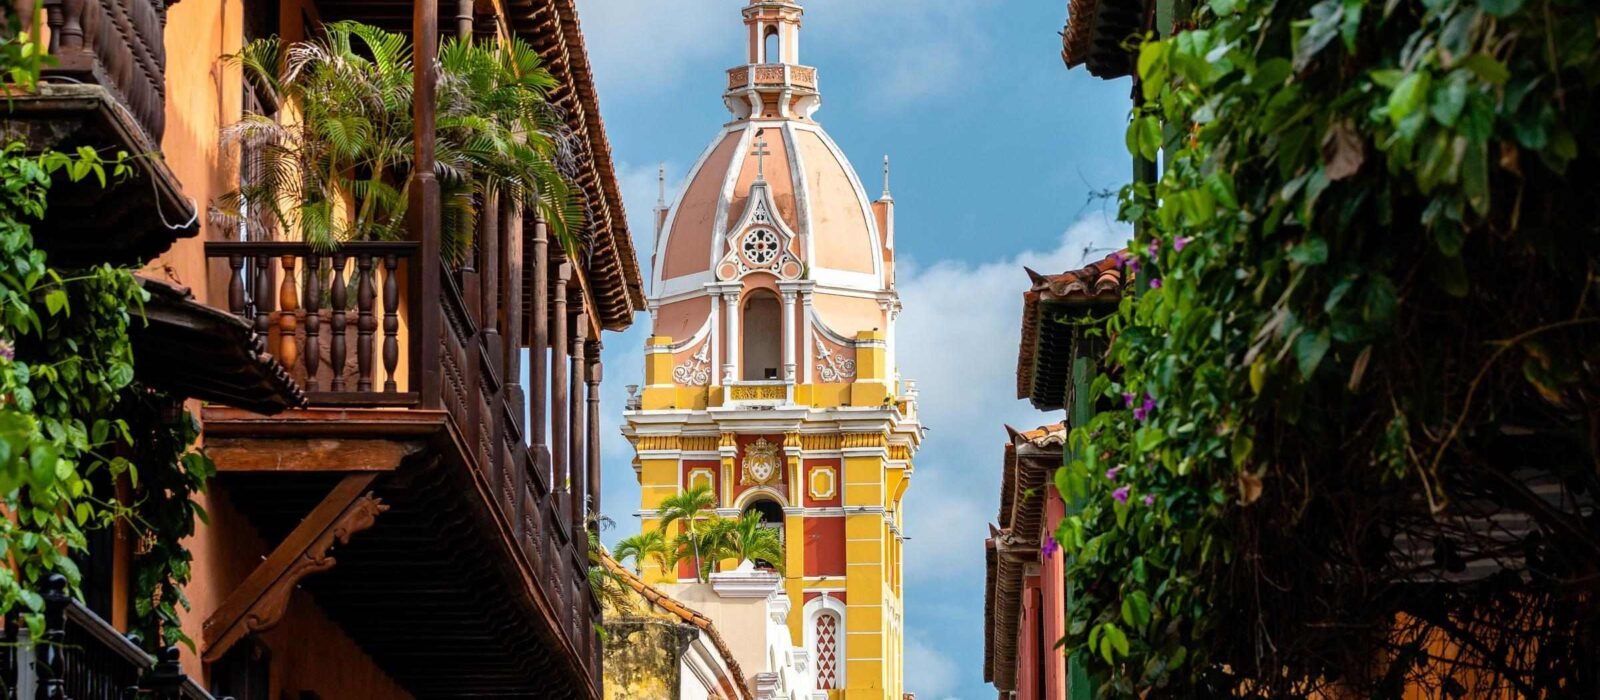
x=761, y=246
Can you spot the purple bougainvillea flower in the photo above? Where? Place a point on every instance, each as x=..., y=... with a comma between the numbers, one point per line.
x=1114, y=471
x=1155, y=283
x=1121, y=494
x=1050, y=546
x=1149, y=499
x=1133, y=266
x=1155, y=248
x=1127, y=400
x=1179, y=242
x=6, y=351
x=1145, y=409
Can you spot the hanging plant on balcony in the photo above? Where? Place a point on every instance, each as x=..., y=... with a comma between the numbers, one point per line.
x=336, y=166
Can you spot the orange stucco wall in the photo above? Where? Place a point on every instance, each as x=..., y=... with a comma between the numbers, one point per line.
x=309, y=652
x=838, y=221
x=779, y=180
x=690, y=249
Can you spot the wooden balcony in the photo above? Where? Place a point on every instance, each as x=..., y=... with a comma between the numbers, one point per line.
x=106, y=90
x=406, y=498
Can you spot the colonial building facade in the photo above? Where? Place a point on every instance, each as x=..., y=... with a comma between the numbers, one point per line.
x=391, y=518
x=771, y=376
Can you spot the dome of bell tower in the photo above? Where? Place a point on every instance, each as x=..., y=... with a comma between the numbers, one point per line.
x=774, y=168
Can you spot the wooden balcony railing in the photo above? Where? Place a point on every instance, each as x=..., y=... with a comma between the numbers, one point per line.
x=348, y=324
x=329, y=317
x=82, y=657
x=118, y=45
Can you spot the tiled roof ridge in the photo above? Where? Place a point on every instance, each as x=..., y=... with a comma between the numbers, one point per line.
x=1052, y=435
x=689, y=615
x=1095, y=284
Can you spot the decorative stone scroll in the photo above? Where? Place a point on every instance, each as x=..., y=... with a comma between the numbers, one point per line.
x=696, y=371
x=831, y=367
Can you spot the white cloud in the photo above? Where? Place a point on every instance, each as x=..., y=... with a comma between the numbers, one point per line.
x=624, y=354
x=929, y=672
x=647, y=46
x=917, y=49
x=958, y=338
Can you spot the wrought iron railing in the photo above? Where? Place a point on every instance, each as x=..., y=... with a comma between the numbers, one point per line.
x=82, y=657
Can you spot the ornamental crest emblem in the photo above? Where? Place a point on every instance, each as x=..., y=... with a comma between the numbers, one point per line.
x=760, y=463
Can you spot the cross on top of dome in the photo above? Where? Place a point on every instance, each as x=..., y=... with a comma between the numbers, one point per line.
x=761, y=154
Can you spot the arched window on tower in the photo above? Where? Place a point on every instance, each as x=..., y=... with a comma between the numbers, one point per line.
x=761, y=349
x=772, y=53
x=771, y=517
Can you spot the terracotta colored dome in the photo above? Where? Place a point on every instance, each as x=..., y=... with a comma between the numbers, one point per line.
x=835, y=235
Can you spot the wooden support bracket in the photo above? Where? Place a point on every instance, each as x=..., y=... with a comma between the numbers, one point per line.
x=259, y=603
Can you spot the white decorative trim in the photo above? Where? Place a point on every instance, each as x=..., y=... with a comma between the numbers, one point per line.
x=695, y=371
x=826, y=330
x=708, y=473
x=759, y=218
x=831, y=367
x=832, y=477
x=660, y=254
x=746, y=582
x=815, y=607
x=719, y=229
x=749, y=495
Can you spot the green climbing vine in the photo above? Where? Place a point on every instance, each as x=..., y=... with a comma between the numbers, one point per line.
x=74, y=423
x=1366, y=331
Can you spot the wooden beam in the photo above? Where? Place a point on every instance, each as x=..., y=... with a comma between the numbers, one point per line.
x=238, y=455
x=260, y=601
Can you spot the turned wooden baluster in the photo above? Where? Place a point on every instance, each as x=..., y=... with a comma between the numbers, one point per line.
x=336, y=353
x=263, y=300
x=288, y=303
x=391, y=321
x=236, y=286
x=313, y=317
x=365, y=323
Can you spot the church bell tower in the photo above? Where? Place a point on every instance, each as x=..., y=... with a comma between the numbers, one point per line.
x=771, y=374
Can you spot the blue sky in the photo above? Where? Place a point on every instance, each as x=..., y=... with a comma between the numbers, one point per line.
x=996, y=150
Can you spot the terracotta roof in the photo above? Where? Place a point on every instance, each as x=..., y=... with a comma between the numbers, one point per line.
x=1030, y=459
x=672, y=606
x=1044, y=351
x=611, y=272
x=1096, y=32
x=196, y=351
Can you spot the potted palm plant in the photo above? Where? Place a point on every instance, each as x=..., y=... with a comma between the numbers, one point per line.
x=335, y=167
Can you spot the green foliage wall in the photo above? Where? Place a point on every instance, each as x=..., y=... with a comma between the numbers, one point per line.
x=73, y=419
x=1368, y=323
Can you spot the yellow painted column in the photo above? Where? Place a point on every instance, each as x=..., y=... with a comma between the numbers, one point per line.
x=868, y=653
x=794, y=538
x=660, y=392
x=871, y=387
x=660, y=460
